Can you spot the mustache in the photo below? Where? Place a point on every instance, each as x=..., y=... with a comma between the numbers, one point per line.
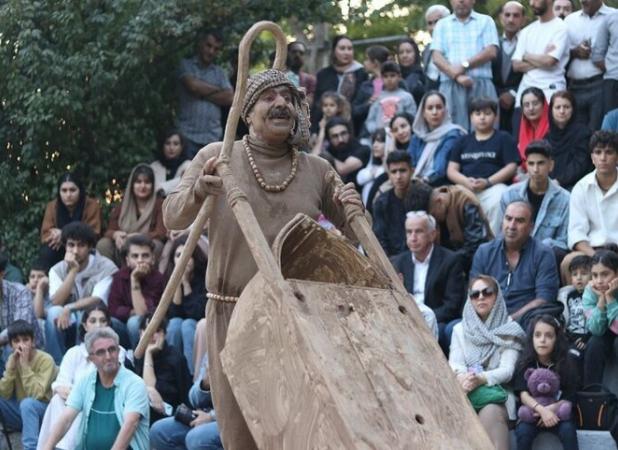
x=281, y=112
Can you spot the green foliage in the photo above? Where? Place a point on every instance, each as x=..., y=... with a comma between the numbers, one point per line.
x=86, y=85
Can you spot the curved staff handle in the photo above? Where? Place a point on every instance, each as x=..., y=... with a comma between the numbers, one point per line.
x=236, y=198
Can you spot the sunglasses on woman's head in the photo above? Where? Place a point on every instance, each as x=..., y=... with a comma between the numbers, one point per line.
x=485, y=292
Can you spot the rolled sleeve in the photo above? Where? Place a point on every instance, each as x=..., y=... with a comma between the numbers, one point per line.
x=102, y=288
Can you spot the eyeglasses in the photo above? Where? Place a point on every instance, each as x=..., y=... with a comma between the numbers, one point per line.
x=102, y=351
x=485, y=292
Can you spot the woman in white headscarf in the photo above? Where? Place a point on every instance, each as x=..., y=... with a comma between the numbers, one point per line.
x=433, y=139
x=484, y=350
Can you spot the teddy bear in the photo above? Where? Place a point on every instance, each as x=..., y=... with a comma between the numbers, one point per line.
x=543, y=385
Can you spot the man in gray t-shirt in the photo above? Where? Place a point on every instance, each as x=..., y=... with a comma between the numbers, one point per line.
x=204, y=89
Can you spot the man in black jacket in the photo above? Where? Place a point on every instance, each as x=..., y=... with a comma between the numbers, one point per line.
x=432, y=274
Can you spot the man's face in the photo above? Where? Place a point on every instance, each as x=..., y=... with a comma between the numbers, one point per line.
x=432, y=20
x=104, y=355
x=139, y=255
x=296, y=56
x=562, y=8
x=391, y=81
x=539, y=167
x=34, y=277
x=539, y=7
x=338, y=136
x=512, y=18
x=272, y=117
x=516, y=225
x=604, y=160
x=418, y=236
x=22, y=343
x=80, y=249
x=590, y=6
x=462, y=8
x=209, y=48
x=399, y=173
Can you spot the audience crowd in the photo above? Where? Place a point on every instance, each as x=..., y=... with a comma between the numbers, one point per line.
x=489, y=164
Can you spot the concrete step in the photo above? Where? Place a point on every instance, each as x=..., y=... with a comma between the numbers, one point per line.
x=587, y=440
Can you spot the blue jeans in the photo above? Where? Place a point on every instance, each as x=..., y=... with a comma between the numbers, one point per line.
x=25, y=415
x=57, y=341
x=526, y=433
x=180, y=334
x=169, y=434
x=130, y=329
x=445, y=332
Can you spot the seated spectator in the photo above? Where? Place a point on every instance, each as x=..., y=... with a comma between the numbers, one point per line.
x=15, y=304
x=332, y=105
x=25, y=387
x=546, y=348
x=569, y=140
x=485, y=160
x=431, y=273
x=70, y=205
x=136, y=288
x=81, y=280
x=165, y=372
x=434, y=137
x=392, y=99
x=400, y=128
x=11, y=272
x=38, y=283
x=170, y=164
x=534, y=120
x=199, y=434
x=389, y=212
x=112, y=399
x=610, y=121
x=524, y=268
x=601, y=309
x=550, y=202
x=139, y=212
x=345, y=153
x=461, y=220
x=189, y=301
x=375, y=167
x=571, y=297
x=75, y=364
x=370, y=89
x=484, y=351
x=409, y=59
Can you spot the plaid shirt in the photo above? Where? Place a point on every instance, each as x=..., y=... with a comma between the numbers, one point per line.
x=16, y=303
x=459, y=41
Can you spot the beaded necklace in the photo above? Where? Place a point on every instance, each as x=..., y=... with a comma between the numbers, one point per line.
x=260, y=178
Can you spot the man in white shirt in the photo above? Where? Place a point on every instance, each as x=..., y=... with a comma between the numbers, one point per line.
x=431, y=273
x=585, y=78
x=542, y=52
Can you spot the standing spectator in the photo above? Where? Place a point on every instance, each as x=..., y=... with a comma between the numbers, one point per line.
x=136, y=288
x=550, y=203
x=112, y=399
x=562, y=8
x=409, y=59
x=170, y=164
x=344, y=75
x=25, y=387
x=605, y=56
x=542, y=52
x=433, y=139
x=139, y=212
x=569, y=140
x=370, y=89
x=586, y=78
x=295, y=73
x=204, y=89
x=512, y=18
x=463, y=45
x=76, y=283
x=70, y=205
x=534, y=120
x=376, y=165
x=433, y=14
x=347, y=155
x=485, y=160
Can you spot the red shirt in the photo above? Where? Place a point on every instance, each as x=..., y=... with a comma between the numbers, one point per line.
x=120, y=304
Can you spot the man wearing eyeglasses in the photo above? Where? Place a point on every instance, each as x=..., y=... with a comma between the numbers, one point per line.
x=113, y=400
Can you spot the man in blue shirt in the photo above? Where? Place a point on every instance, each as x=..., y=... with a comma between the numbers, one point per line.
x=525, y=268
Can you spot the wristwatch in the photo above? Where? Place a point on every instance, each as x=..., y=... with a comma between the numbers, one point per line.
x=465, y=64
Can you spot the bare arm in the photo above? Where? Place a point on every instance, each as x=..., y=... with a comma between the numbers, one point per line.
x=64, y=291
x=540, y=61
x=527, y=307
x=584, y=246
x=61, y=427
x=453, y=174
x=207, y=91
x=441, y=63
x=489, y=53
x=504, y=175
x=522, y=66
x=131, y=421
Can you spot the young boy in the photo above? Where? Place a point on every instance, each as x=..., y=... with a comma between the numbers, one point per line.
x=392, y=100
x=484, y=161
x=25, y=388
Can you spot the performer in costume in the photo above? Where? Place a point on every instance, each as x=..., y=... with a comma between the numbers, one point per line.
x=279, y=182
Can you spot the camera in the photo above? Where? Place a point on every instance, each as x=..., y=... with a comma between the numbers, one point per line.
x=184, y=414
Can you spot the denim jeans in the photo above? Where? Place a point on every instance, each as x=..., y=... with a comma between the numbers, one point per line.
x=526, y=433
x=57, y=341
x=129, y=329
x=598, y=349
x=180, y=334
x=169, y=434
x=25, y=415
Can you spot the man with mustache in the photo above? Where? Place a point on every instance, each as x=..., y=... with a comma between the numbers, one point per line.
x=279, y=182
x=347, y=155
